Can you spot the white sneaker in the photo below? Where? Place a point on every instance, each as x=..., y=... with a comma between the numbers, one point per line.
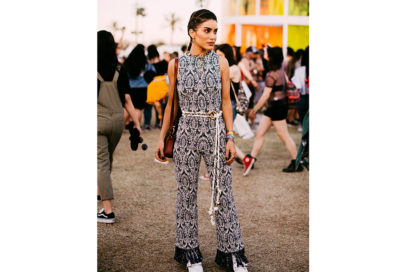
x=205, y=177
x=197, y=267
x=238, y=268
x=162, y=162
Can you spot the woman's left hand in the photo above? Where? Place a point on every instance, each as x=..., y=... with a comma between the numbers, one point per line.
x=230, y=151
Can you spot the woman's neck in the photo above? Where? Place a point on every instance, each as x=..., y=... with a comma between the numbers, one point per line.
x=197, y=50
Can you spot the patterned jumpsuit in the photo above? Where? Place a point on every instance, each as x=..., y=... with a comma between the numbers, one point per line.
x=199, y=91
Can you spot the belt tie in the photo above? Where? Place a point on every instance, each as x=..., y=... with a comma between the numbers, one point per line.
x=213, y=115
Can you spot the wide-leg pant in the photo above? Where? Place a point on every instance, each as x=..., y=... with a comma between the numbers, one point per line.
x=195, y=139
x=109, y=132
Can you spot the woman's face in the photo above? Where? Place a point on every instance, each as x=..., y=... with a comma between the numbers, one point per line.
x=205, y=34
x=220, y=53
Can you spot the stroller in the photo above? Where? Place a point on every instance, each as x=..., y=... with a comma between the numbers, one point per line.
x=303, y=151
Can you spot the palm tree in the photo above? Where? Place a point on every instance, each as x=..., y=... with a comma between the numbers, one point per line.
x=173, y=21
x=202, y=3
x=140, y=12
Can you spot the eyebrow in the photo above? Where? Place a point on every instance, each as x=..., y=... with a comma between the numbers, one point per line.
x=210, y=28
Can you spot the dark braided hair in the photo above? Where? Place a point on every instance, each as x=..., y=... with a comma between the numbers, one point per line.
x=197, y=18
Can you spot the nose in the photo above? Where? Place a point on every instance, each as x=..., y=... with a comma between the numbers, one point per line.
x=213, y=36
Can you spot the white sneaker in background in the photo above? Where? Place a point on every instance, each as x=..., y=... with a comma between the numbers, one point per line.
x=205, y=177
x=162, y=162
x=197, y=267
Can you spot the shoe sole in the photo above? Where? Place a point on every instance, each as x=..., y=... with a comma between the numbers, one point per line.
x=249, y=168
x=161, y=162
x=106, y=221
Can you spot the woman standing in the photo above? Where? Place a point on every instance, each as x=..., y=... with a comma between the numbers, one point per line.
x=204, y=130
x=276, y=113
x=113, y=96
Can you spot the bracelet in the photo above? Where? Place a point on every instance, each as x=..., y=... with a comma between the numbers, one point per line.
x=255, y=109
x=229, y=132
x=230, y=137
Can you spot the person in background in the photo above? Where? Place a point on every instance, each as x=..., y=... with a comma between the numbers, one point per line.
x=298, y=58
x=289, y=67
x=301, y=79
x=183, y=49
x=140, y=73
x=166, y=56
x=290, y=53
x=249, y=68
x=157, y=89
x=275, y=114
x=174, y=55
x=113, y=99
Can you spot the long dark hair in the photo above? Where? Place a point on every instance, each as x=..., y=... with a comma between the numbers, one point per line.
x=107, y=60
x=136, y=61
x=152, y=52
x=275, y=55
x=238, y=56
x=227, y=50
x=305, y=60
x=197, y=18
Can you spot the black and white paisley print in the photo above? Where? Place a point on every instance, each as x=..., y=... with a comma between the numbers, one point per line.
x=199, y=90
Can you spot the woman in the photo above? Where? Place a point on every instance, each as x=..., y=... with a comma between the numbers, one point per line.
x=204, y=129
x=275, y=114
x=113, y=95
x=158, y=88
x=300, y=79
x=138, y=70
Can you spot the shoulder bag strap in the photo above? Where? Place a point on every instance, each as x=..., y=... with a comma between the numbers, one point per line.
x=174, y=95
x=235, y=94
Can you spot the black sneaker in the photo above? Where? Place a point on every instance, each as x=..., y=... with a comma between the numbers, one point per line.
x=292, y=167
x=106, y=218
x=238, y=160
x=99, y=198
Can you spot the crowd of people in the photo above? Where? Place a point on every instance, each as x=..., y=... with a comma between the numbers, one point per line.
x=209, y=77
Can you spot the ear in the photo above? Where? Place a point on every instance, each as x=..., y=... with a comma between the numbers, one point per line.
x=192, y=33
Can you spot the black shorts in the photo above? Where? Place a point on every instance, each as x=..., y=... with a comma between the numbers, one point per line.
x=277, y=110
x=139, y=96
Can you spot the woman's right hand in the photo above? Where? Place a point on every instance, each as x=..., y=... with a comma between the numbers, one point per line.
x=159, y=153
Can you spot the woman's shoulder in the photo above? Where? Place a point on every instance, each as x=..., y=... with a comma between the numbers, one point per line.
x=273, y=74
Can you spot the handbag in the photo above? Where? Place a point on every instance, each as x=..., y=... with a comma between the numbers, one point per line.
x=241, y=100
x=242, y=127
x=292, y=93
x=170, y=137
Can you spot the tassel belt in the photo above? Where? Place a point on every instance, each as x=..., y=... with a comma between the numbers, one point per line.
x=213, y=115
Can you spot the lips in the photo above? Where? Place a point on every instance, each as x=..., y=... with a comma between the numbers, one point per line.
x=211, y=44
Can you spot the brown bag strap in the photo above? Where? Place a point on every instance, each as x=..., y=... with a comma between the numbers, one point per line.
x=174, y=94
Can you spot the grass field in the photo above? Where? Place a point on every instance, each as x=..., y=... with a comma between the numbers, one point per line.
x=273, y=208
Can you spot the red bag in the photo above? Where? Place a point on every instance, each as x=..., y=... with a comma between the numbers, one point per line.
x=292, y=94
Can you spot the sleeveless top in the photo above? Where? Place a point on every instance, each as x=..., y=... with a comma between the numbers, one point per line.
x=108, y=99
x=199, y=83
